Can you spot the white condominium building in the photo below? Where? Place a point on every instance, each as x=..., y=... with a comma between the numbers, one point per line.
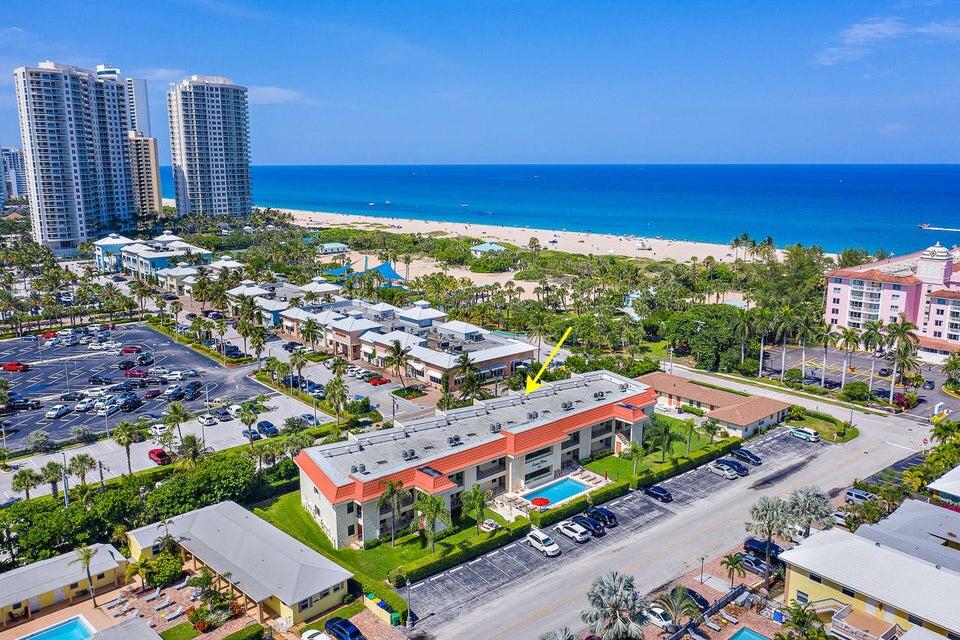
x=13, y=173
x=210, y=146
x=73, y=123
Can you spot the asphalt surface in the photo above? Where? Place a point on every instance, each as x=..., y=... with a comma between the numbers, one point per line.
x=441, y=598
x=56, y=370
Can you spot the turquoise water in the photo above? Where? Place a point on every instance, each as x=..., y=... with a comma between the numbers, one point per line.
x=835, y=206
x=557, y=491
x=746, y=633
x=72, y=629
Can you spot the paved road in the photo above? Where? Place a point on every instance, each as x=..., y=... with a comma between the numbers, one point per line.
x=671, y=547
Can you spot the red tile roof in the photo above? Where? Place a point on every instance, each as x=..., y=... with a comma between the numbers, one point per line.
x=746, y=413
x=945, y=293
x=937, y=343
x=873, y=275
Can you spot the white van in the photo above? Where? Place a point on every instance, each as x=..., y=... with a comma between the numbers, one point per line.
x=234, y=410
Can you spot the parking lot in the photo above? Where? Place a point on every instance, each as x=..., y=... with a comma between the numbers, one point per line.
x=440, y=597
x=860, y=364
x=57, y=370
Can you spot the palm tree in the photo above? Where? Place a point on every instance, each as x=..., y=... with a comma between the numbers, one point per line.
x=784, y=326
x=762, y=321
x=433, y=511
x=905, y=362
x=808, y=505
x=189, y=452
x=397, y=359
x=125, y=434
x=804, y=622
x=25, y=480
x=848, y=340
x=310, y=332
x=769, y=516
x=80, y=465
x=258, y=341
x=140, y=568
x=942, y=431
x=951, y=369
x=248, y=416
x=733, y=563
x=743, y=330
x=84, y=556
x=678, y=605
x=477, y=500
x=614, y=608
x=635, y=453
x=873, y=338
x=562, y=633
x=826, y=337
x=336, y=391
x=392, y=496
x=805, y=330
x=897, y=333
x=52, y=472
x=297, y=362
x=176, y=416
x=338, y=366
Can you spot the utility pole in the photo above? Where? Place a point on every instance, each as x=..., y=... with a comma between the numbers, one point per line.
x=66, y=482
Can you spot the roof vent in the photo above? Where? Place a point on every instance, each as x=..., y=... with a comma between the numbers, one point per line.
x=598, y=395
x=532, y=415
x=623, y=386
x=353, y=468
x=362, y=468
x=566, y=406
x=496, y=427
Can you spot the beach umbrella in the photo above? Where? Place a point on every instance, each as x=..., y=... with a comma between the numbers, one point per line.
x=540, y=501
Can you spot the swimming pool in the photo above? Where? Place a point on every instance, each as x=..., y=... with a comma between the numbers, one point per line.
x=73, y=629
x=558, y=491
x=746, y=633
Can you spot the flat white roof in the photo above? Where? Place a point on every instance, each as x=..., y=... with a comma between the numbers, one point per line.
x=948, y=483
x=872, y=569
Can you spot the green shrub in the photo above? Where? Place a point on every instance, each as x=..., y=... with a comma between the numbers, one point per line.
x=597, y=456
x=793, y=376
x=437, y=562
x=597, y=496
x=253, y=632
x=689, y=408
x=365, y=584
x=165, y=569
x=661, y=472
x=856, y=391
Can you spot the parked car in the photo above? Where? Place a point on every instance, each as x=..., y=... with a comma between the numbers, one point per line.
x=150, y=394
x=71, y=396
x=309, y=419
x=745, y=455
x=805, y=433
x=85, y=405
x=858, y=496
x=17, y=366
x=207, y=419
x=123, y=365
x=839, y=518
x=379, y=381
x=929, y=385
x=99, y=380
x=135, y=373
x=131, y=403
x=222, y=415
x=144, y=359
x=738, y=468
x=572, y=531
x=341, y=629
x=251, y=434
x=702, y=603
x=722, y=470
x=753, y=565
x=173, y=392
x=131, y=348
x=540, y=541
x=658, y=617
x=56, y=411
x=606, y=517
x=758, y=548
x=267, y=429
x=108, y=410
x=23, y=404
x=885, y=371
x=190, y=393
x=153, y=380
x=159, y=456
x=159, y=371
x=658, y=493
x=593, y=526
x=290, y=346
x=313, y=634
x=158, y=430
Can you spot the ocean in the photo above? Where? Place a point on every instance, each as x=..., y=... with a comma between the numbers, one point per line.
x=834, y=206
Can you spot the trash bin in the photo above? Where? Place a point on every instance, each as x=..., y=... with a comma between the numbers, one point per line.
x=395, y=619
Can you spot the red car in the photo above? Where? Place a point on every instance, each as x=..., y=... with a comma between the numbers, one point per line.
x=379, y=381
x=135, y=373
x=48, y=334
x=159, y=456
x=131, y=348
x=16, y=366
x=151, y=393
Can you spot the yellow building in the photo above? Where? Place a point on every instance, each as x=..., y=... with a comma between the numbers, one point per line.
x=272, y=572
x=870, y=590
x=27, y=590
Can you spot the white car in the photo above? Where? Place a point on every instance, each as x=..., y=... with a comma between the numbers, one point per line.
x=85, y=339
x=573, y=531
x=175, y=375
x=57, y=411
x=208, y=420
x=313, y=634
x=159, y=371
x=659, y=617
x=839, y=518
x=543, y=543
x=108, y=410
x=805, y=433
x=95, y=392
x=234, y=410
x=65, y=332
x=722, y=470
x=158, y=430
x=96, y=346
x=104, y=401
x=85, y=405
x=172, y=390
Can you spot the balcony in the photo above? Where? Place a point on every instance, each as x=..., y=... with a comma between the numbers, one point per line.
x=856, y=625
x=485, y=471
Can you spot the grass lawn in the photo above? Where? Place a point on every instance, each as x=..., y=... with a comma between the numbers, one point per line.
x=616, y=468
x=657, y=349
x=826, y=429
x=286, y=513
x=183, y=631
x=346, y=612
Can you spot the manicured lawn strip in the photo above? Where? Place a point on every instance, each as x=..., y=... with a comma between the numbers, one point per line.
x=775, y=385
x=828, y=429
x=196, y=346
x=183, y=631
x=720, y=388
x=346, y=612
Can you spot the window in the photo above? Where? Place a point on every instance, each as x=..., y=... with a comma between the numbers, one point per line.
x=834, y=311
x=914, y=620
x=896, y=287
x=337, y=587
x=349, y=507
x=74, y=585
x=938, y=334
x=815, y=578
x=836, y=301
x=848, y=592
x=100, y=576
x=938, y=323
x=802, y=597
x=303, y=605
x=939, y=312
x=838, y=280
x=351, y=530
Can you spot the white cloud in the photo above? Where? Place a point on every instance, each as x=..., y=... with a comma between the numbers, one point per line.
x=862, y=38
x=159, y=74
x=273, y=95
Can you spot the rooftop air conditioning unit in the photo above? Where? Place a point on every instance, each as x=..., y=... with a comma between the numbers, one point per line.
x=450, y=440
x=623, y=386
x=353, y=468
x=496, y=427
x=362, y=468
x=566, y=406
x=598, y=395
x=532, y=415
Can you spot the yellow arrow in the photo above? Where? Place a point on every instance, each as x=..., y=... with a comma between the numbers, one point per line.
x=532, y=383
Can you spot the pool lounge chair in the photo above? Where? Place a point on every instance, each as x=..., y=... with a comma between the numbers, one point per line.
x=726, y=616
x=122, y=611
x=166, y=603
x=693, y=634
x=711, y=625
x=153, y=596
x=116, y=602
x=182, y=584
x=173, y=615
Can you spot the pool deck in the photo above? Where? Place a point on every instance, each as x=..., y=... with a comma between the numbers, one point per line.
x=50, y=616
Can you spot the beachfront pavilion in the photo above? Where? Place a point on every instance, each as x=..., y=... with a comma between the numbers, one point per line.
x=26, y=590
x=263, y=567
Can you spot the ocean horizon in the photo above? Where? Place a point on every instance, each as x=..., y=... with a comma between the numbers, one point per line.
x=833, y=206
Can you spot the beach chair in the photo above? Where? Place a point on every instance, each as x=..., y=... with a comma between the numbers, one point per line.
x=153, y=596
x=726, y=616
x=116, y=602
x=173, y=615
x=693, y=634
x=122, y=611
x=166, y=603
x=182, y=584
x=711, y=625
x=133, y=613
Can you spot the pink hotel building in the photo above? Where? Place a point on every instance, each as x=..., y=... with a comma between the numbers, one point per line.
x=924, y=286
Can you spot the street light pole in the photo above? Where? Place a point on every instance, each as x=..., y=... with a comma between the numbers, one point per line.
x=409, y=608
x=66, y=483
x=702, y=558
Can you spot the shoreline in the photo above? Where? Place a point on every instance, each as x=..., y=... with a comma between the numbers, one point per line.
x=582, y=242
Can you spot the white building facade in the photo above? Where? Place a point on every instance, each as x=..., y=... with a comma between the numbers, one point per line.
x=210, y=146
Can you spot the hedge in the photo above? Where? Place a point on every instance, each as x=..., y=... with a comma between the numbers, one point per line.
x=252, y=632
x=699, y=457
x=689, y=408
x=597, y=496
x=199, y=348
x=435, y=563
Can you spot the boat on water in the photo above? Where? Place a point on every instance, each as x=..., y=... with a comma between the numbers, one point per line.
x=927, y=227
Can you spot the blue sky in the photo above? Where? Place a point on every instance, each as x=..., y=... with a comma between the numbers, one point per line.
x=533, y=81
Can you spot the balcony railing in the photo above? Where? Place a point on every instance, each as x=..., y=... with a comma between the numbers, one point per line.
x=856, y=625
x=485, y=472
